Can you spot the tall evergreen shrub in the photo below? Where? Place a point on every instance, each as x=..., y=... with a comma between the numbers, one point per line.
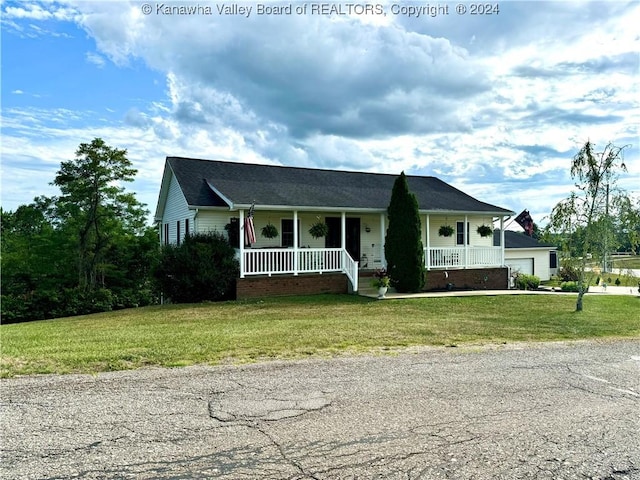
x=403, y=244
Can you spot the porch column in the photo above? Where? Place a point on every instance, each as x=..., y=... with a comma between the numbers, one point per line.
x=241, y=228
x=465, y=232
x=295, y=242
x=501, y=241
x=383, y=260
x=427, y=260
x=343, y=230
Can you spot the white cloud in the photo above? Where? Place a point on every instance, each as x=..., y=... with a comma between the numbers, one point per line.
x=95, y=59
x=496, y=106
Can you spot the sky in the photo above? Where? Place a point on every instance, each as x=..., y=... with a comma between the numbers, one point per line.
x=493, y=98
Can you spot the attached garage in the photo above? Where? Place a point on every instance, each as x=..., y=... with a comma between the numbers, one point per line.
x=520, y=265
x=526, y=255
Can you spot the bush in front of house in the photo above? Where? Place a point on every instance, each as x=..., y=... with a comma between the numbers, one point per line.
x=569, y=286
x=202, y=268
x=527, y=282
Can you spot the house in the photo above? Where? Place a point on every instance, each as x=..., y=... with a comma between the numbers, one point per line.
x=205, y=195
x=525, y=254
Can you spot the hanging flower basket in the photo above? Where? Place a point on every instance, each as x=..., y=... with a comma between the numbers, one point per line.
x=319, y=229
x=269, y=231
x=485, y=230
x=445, y=231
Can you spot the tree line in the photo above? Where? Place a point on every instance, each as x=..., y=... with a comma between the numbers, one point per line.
x=90, y=248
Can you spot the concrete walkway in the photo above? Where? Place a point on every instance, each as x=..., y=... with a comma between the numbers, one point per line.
x=391, y=295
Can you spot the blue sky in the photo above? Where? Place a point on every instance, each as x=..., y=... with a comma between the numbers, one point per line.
x=496, y=104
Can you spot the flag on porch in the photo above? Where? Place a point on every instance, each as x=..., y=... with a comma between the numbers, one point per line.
x=525, y=221
x=249, y=231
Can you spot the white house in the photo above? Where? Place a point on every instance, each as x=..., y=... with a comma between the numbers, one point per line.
x=205, y=195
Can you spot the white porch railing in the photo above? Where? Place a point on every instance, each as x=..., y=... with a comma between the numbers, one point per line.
x=350, y=268
x=269, y=261
x=463, y=257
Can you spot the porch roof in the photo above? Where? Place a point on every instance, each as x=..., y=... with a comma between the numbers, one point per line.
x=213, y=183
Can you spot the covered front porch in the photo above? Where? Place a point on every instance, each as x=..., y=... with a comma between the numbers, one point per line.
x=356, y=242
x=293, y=258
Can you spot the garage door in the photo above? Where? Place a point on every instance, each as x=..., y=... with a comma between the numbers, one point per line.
x=520, y=265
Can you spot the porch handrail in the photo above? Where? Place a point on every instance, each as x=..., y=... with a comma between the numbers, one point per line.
x=269, y=261
x=463, y=257
x=350, y=268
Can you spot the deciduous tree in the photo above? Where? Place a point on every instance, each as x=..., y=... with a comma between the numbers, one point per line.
x=94, y=204
x=584, y=215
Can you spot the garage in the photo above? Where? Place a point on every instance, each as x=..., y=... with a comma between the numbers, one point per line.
x=520, y=265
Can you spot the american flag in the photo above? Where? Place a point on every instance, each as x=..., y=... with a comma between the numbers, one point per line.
x=525, y=221
x=249, y=231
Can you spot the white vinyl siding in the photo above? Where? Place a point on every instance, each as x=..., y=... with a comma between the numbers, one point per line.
x=214, y=221
x=436, y=221
x=176, y=210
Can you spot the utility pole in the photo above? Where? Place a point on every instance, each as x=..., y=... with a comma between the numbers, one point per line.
x=606, y=232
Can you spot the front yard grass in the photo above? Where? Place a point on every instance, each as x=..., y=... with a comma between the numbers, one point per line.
x=296, y=327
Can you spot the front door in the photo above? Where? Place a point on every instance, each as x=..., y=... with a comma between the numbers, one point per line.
x=333, y=238
x=353, y=238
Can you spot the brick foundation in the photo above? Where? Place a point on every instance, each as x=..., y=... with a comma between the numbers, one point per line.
x=476, y=279
x=280, y=285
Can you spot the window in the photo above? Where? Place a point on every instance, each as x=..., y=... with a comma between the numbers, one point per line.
x=553, y=259
x=286, y=232
x=460, y=233
x=166, y=234
x=186, y=226
x=178, y=232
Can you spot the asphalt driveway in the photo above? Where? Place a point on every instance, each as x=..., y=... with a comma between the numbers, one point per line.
x=555, y=410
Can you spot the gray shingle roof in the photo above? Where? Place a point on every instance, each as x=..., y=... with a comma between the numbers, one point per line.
x=518, y=240
x=243, y=183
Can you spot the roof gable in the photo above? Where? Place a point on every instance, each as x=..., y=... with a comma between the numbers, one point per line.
x=211, y=183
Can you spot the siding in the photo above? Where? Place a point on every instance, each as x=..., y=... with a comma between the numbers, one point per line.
x=176, y=209
x=213, y=221
x=435, y=222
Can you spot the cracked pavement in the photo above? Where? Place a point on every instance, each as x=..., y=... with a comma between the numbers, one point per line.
x=520, y=411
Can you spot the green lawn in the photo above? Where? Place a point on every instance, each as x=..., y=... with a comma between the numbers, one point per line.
x=294, y=327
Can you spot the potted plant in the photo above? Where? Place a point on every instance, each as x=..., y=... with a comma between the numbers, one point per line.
x=381, y=281
x=269, y=231
x=319, y=229
x=485, y=230
x=445, y=231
